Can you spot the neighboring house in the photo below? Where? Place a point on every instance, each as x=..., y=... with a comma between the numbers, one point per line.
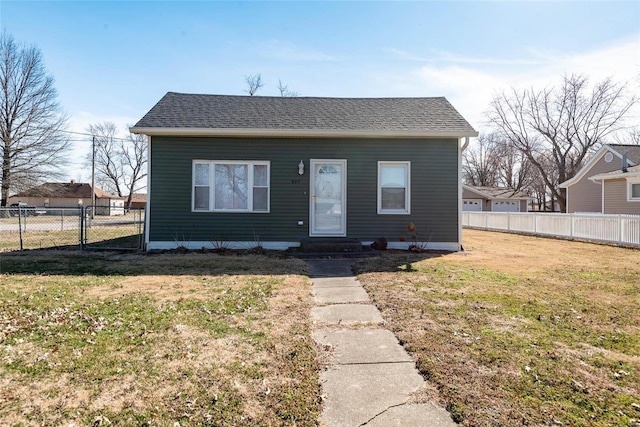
x=70, y=194
x=584, y=194
x=138, y=201
x=247, y=170
x=620, y=191
x=493, y=199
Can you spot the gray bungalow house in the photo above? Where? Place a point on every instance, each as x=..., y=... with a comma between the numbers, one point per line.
x=494, y=199
x=620, y=191
x=584, y=194
x=245, y=170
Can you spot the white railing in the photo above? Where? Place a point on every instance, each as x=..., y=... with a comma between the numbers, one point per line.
x=620, y=229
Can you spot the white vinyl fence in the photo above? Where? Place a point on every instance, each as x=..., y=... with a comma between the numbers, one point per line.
x=620, y=229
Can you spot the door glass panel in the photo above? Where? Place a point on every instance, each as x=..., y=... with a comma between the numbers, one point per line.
x=328, y=207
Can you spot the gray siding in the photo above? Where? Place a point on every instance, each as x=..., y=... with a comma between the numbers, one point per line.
x=586, y=195
x=524, y=206
x=615, y=198
x=434, y=192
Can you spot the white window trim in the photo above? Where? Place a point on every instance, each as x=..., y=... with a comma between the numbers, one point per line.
x=630, y=183
x=407, y=190
x=212, y=164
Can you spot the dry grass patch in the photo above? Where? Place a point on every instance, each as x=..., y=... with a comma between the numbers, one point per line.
x=519, y=330
x=198, y=339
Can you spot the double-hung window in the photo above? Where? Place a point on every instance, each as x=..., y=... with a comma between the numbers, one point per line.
x=394, y=187
x=633, y=192
x=231, y=186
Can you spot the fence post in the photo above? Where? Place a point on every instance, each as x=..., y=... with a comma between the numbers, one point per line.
x=81, y=212
x=571, y=220
x=620, y=229
x=508, y=221
x=20, y=225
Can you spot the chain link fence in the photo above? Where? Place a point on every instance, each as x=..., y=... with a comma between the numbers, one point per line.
x=27, y=227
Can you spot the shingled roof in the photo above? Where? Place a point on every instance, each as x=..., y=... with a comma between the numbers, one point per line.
x=632, y=151
x=497, y=192
x=191, y=114
x=65, y=190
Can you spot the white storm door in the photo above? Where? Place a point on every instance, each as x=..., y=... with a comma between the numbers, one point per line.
x=328, y=216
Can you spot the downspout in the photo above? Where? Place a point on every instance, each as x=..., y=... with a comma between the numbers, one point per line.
x=462, y=148
x=147, y=210
x=465, y=145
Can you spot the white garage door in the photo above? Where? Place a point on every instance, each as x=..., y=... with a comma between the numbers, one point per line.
x=472, y=205
x=505, y=206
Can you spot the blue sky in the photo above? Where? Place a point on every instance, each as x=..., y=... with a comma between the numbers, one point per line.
x=112, y=60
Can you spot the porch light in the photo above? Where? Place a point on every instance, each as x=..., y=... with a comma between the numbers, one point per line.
x=301, y=168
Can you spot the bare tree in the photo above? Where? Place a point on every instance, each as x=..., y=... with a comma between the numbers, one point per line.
x=513, y=169
x=480, y=162
x=560, y=125
x=109, y=165
x=32, y=141
x=629, y=136
x=121, y=163
x=284, y=90
x=134, y=153
x=254, y=83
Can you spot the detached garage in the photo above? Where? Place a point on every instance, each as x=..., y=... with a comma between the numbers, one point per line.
x=493, y=199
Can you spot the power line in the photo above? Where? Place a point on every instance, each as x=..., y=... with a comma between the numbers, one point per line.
x=92, y=135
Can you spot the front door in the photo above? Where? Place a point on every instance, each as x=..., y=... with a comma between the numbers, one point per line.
x=328, y=198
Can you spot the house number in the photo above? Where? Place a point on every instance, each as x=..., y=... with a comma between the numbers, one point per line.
x=295, y=181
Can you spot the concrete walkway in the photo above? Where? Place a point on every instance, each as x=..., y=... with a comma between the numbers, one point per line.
x=371, y=377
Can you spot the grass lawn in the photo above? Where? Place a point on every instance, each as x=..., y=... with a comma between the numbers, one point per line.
x=195, y=339
x=519, y=330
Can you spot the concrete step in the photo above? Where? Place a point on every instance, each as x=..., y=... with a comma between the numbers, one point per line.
x=333, y=245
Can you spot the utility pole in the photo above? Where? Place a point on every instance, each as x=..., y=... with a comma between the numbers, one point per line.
x=93, y=175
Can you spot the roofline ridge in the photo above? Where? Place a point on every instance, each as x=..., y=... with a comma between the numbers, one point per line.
x=306, y=97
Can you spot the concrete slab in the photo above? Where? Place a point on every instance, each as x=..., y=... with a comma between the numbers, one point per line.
x=362, y=345
x=335, y=282
x=358, y=393
x=340, y=295
x=330, y=267
x=414, y=415
x=347, y=314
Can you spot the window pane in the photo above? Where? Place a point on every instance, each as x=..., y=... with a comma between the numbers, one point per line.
x=260, y=198
x=635, y=191
x=201, y=199
x=393, y=198
x=260, y=175
x=393, y=176
x=202, y=174
x=231, y=186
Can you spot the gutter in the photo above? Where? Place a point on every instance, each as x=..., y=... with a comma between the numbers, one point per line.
x=291, y=133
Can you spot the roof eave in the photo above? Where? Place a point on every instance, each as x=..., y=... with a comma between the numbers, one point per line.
x=609, y=175
x=289, y=133
x=478, y=192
